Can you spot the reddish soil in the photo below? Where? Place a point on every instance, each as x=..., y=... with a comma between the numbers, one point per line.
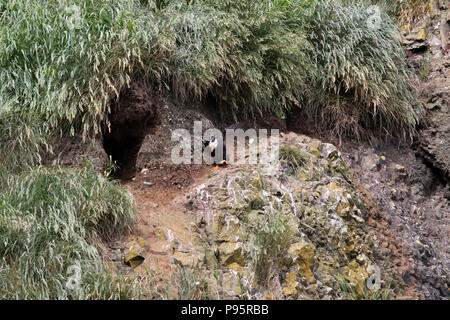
x=161, y=215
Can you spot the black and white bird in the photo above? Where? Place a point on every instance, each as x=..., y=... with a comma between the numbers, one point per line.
x=213, y=145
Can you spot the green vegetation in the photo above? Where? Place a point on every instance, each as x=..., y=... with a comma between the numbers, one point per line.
x=295, y=157
x=62, y=62
x=59, y=68
x=244, y=53
x=189, y=284
x=49, y=221
x=273, y=236
x=56, y=78
x=424, y=70
x=362, y=80
x=349, y=292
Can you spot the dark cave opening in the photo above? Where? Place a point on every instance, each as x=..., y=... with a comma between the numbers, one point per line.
x=132, y=117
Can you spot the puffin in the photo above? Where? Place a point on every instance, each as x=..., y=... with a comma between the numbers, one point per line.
x=213, y=144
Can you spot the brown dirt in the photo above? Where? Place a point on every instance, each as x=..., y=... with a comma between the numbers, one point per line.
x=381, y=232
x=160, y=207
x=73, y=152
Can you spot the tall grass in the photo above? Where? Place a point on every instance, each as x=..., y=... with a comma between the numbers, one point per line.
x=363, y=84
x=66, y=73
x=21, y=140
x=49, y=222
x=294, y=157
x=272, y=238
x=243, y=53
x=56, y=78
x=60, y=68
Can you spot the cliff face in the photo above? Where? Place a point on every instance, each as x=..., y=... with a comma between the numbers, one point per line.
x=297, y=234
x=353, y=221
x=329, y=223
x=297, y=231
x=427, y=43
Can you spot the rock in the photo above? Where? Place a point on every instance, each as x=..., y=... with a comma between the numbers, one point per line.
x=135, y=253
x=231, y=252
x=309, y=227
x=434, y=137
x=415, y=40
x=302, y=255
x=231, y=284
x=187, y=259
x=419, y=35
x=435, y=142
x=405, y=29
x=290, y=284
x=371, y=162
x=228, y=228
x=445, y=29
x=159, y=233
x=435, y=42
x=357, y=276
x=416, y=47
x=397, y=195
x=362, y=259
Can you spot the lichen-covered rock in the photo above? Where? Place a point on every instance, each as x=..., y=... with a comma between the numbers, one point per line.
x=302, y=255
x=135, y=253
x=230, y=252
x=231, y=284
x=294, y=234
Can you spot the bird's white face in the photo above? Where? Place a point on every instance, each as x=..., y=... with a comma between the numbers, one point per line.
x=213, y=144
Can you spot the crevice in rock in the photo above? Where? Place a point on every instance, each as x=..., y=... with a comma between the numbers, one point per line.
x=133, y=115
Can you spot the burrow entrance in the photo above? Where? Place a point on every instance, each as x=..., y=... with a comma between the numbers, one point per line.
x=132, y=117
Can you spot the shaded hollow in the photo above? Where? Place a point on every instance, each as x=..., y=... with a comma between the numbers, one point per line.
x=132, y=117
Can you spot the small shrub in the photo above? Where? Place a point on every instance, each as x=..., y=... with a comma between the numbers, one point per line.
x=188, y=283
x=295, y=157
x=348, y=292
x=272, y=239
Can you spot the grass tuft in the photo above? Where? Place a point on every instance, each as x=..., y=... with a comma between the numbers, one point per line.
x=363, y=85
x=272, y=238
x=49, y=222
x=295, y=157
